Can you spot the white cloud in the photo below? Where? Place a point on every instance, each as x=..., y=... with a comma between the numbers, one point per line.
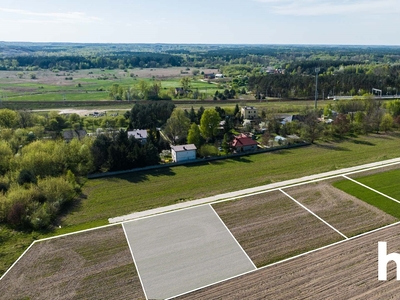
x=50, y=17
x=332, y=7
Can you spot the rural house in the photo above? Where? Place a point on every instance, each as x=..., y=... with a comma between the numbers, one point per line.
x=243, y=143
x=139, y=134
x=183, y=152
x=249, y=112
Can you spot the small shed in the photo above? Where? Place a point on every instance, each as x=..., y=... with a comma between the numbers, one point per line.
x=183, y=152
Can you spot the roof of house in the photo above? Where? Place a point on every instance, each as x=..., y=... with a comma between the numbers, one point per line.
x=243, y=140
x=70, y=134
x=138, y=134
x=181, y=148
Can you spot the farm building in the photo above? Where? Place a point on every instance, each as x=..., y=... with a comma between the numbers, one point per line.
x=139, y=134
x=183, y=152
x=243, y=143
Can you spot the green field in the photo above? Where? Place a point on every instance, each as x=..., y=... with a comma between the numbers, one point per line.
x=387, y=183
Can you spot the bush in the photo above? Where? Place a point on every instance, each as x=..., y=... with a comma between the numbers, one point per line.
x=208, y=150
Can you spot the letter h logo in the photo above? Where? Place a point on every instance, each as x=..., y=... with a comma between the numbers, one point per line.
x=384, y=259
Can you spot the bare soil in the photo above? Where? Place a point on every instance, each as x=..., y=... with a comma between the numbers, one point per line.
x=272, y=227
x=346, y=213
x=92, y=265
x=348, y=270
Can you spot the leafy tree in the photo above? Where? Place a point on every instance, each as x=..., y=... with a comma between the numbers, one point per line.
x=177, y=125
x=8, y=118
x=185, y=83
x=341, y=125
x=209, y=124
x=312, y=128
x=6, y=155
x=386, y=123
x=394, y=108
x=194, y=136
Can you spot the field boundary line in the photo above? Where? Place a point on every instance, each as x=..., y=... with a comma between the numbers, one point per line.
x=134, y=262
x=76, y=232
x=226, y=227
x=292, y=258
x=314, y=214
x=18, y=259
x=370, y=188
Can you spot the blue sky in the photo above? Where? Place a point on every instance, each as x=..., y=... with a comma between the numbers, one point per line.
x=360, y=22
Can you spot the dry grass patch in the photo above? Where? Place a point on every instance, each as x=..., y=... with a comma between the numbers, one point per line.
x=348, y=270
x=91, y=265
x=346, y=213
x=271, y=227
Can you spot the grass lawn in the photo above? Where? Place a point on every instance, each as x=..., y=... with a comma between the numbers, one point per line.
x=383, y=182
x=387, y=183
x=116, y=196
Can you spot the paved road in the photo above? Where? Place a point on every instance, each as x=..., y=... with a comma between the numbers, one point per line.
x=248, y=191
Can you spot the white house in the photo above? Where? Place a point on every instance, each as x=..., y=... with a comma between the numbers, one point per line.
x=249, y=112
x=183, y=152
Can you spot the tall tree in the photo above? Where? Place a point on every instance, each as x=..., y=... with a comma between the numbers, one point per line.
x=209, y=123
x=194, y=136
x=177, y=126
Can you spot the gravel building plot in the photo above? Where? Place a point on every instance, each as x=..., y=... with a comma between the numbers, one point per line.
x=184, y=250
x=271, y=227
x=92, y=265
x=348, y=270
x=346, y=213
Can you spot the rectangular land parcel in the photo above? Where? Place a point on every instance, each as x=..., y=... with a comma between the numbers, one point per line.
x=90, y=265
x=345, y=212
x=271, y=227
x=184, y=250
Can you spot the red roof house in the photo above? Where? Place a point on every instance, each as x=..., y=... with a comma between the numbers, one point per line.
x=242, y=143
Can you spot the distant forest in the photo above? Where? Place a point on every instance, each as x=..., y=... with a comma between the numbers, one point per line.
x=267, y=70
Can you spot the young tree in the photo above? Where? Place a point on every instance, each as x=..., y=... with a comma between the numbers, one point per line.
x=386, y=123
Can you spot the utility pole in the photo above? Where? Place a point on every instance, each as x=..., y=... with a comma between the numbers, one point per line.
x=316, y=87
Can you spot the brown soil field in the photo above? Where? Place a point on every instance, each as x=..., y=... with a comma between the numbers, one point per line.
x=348, y=270
x=271, y=227
x=92, y=265
x=346, y=213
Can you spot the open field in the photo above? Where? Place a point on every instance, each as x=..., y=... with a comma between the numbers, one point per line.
x=142, y=191
x=117, y=196
x=91, y=265
x=346, y=213
x=347, y=270
x=271, y=227
x=89, y=84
